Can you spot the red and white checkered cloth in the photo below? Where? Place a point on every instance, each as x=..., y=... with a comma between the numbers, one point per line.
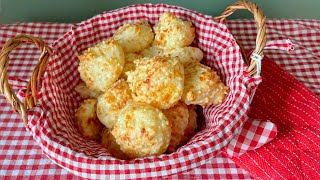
x=52, y=122
x=20, y=156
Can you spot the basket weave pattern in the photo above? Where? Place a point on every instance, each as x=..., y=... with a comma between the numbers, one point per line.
x=51, y=121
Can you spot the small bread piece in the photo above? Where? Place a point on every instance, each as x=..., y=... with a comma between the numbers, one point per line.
x=101, y=65
x=87, y=121
x=130, y=57
x=202, y=86
x=178, y=116
x=142, y=130
x=150, y=52
x=191, y=125
x=109, y=142
x=157, y=81
x=172, y=32
x=186, y=55
x=134, y=37
x=129, y=64
x=85, y=92
x=112, y=101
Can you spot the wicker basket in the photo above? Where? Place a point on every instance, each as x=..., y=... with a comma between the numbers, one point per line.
x=222, y=122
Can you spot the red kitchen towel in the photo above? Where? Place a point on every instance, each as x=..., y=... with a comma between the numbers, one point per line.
x=295, y=152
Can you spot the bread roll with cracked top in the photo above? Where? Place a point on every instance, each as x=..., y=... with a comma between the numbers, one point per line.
x=101, y=65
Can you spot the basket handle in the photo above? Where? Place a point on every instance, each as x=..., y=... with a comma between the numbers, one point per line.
x=261, y=35
x=35, y=80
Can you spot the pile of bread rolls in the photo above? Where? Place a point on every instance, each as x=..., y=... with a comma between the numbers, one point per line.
x=141, y=87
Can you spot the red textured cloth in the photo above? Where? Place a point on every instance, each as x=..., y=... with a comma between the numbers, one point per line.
x=295, y=152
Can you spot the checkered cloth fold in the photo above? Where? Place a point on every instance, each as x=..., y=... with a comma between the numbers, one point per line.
x=254, y=134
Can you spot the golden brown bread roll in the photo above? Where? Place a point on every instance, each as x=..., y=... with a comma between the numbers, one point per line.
x=142, y=130
x=87, y=121
x=202, y=86
x=157, y=81
x=101, y=65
